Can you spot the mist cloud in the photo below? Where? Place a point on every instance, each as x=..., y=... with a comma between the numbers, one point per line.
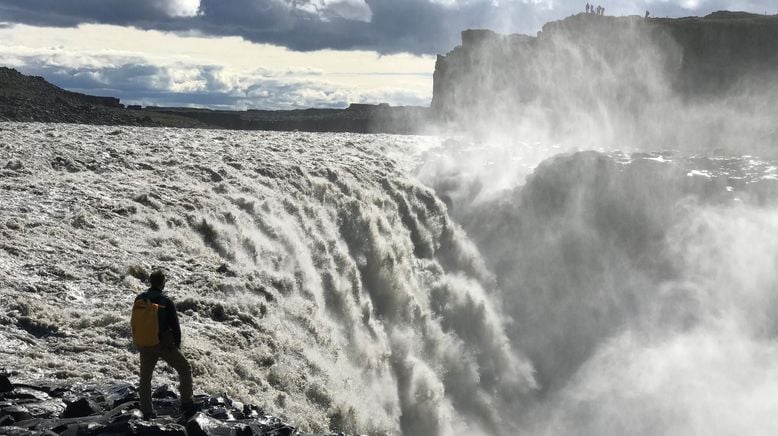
x=385, y=26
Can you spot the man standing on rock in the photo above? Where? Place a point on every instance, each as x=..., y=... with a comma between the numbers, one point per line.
x=167, y=348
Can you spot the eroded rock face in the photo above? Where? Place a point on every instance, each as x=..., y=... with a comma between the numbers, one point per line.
x=30, y=408
x=615, y=78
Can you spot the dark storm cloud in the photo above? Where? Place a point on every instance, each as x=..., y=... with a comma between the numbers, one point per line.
x=386, y=26
x=396, y=25
x=74, y=12
x=391, y=26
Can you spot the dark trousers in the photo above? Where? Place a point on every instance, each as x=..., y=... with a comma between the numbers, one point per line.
x=167, y=351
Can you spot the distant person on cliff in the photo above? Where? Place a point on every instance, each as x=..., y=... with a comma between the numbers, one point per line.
x=157, y=335
x=588, y=8
x=647, y=14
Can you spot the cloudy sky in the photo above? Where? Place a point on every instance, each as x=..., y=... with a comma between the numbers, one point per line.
x=273, y=54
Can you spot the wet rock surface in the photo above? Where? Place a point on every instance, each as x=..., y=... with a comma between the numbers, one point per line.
x=40, y=408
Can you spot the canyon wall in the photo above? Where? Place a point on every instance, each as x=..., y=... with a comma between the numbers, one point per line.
x=625, y=76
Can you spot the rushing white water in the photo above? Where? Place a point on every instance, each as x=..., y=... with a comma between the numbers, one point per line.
x=397, y=285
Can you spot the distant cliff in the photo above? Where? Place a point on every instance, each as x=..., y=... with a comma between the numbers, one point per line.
x=590, y=72
x=30, y=98
x=357, y=118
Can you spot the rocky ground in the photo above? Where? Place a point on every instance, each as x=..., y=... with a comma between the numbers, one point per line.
x=45, y=408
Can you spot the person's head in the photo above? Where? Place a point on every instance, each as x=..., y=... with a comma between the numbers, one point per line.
x=157, y=280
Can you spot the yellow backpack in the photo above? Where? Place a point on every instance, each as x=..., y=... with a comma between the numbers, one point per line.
x=145, y=323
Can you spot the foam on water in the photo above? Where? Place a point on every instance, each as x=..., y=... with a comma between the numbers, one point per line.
x=393, y=285
x=312, y=275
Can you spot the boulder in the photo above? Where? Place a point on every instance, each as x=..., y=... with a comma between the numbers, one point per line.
x=18, y=413
x=82, y=428
x=121, y=423
x=201, y=424
x=147, y=428
x=30, y=424
x=49, y=389
x=220, y=400
x=27, y=394
x=252, y=411
x=60, y=426
x=164, y=391
x=121, y=394
x=284, y=430
x=6, y=420
x=221, y=413
x=121, y=409
x=166, y=406
x=46, y=409
x=81, y=407
x=5, y=384
x=18, y=431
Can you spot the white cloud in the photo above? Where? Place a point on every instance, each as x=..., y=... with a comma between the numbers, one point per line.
x=180, y=8
x=135, y=80
x=157, y=68
x=356, y=10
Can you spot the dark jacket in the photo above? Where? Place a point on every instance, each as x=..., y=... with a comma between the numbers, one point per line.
x=168, y=317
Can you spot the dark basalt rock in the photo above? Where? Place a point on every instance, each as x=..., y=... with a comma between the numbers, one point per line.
x=46, y=408
x=251, y=411
x=5, y=384
x=113, y=410
x=27, y=394
x=81, y=407
x=167, y=406
x=30, y=424
x=81, y=428
x=164, y=391
x=201, y=425
x=221, y=413
x=220, y=400
x=121, y=394
x=281, y=431
x=51, y=390
x=18, y=431
x=6, y=420
x=18, y=413
x=121, y=423
x=147, y=428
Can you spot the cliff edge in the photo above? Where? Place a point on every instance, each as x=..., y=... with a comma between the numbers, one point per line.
x=614, y=75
